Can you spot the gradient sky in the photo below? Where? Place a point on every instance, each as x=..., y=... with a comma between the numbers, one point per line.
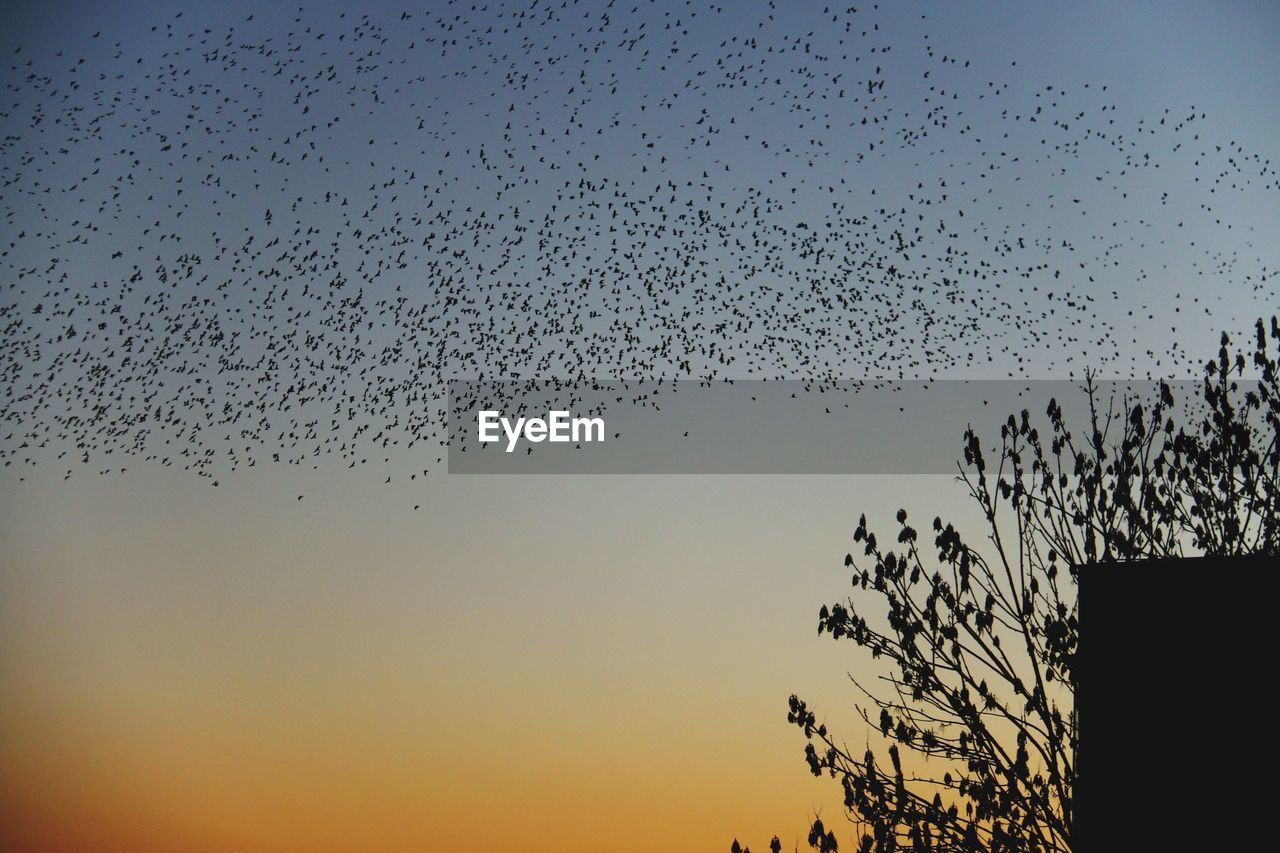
x=529, y=663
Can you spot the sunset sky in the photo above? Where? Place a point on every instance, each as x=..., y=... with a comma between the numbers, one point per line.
x=544, y=664
x=308, y=658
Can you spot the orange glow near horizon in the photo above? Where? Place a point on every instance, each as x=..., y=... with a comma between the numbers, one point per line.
x=611, y=672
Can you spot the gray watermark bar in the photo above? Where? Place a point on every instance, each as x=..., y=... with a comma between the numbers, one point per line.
x=754, y=426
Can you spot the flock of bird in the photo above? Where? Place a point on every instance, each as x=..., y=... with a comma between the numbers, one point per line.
x=278, y=238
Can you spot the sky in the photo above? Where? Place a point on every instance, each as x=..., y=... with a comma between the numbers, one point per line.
x=244, y=605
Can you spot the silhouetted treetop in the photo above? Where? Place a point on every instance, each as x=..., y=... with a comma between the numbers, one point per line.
x=980, y=637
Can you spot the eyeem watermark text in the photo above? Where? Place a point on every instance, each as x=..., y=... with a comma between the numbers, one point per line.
x=556, y=426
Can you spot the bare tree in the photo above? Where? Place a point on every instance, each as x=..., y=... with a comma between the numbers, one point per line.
x=981, y=640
